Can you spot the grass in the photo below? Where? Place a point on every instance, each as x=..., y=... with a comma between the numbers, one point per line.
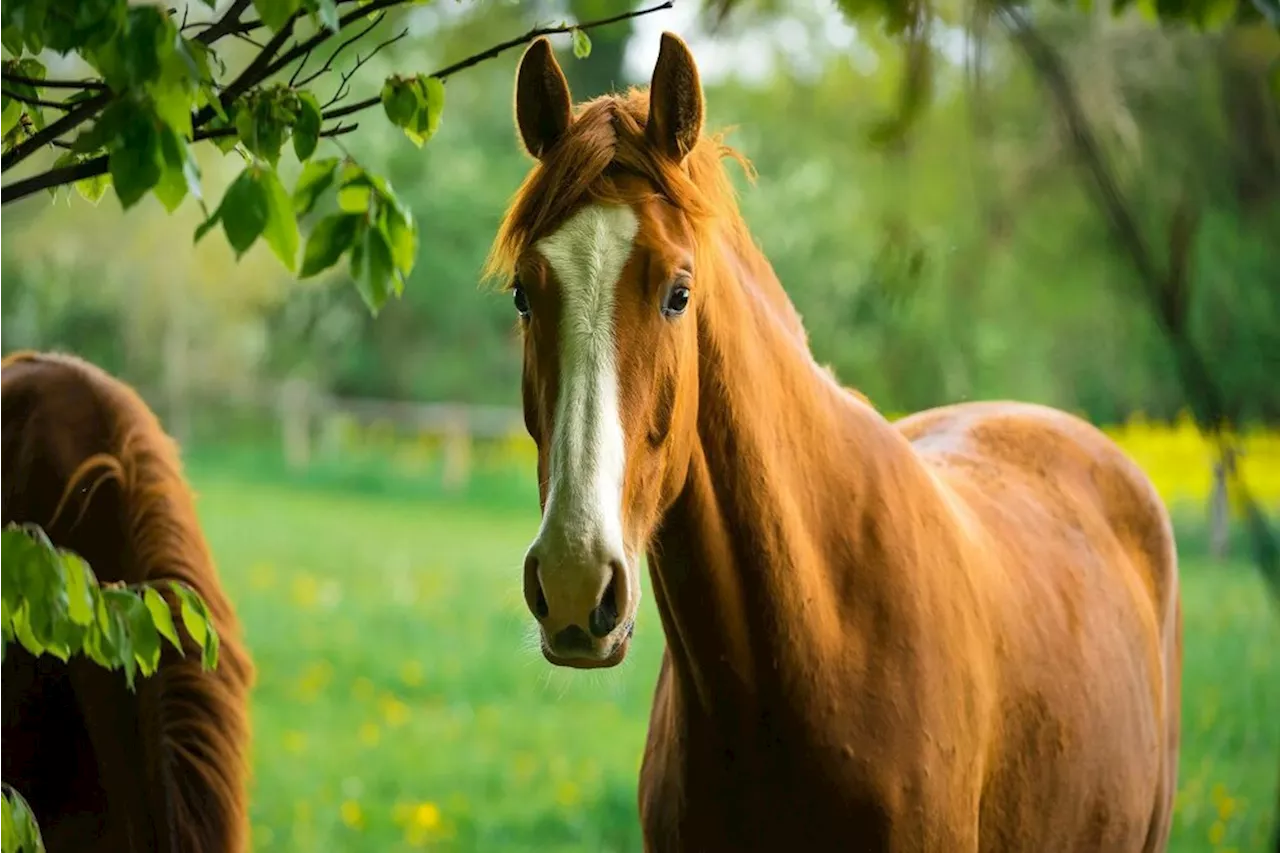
x=400, y=705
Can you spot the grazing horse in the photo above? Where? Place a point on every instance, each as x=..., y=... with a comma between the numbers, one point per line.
x=106, y=769
x=957, y=632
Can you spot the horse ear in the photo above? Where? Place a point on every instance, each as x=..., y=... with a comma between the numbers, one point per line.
x=675, y=100
x=543, y=106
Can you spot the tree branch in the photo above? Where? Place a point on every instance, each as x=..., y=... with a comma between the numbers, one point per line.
x=69, y=122
x=37, y=102
x=342, y=91
x=328, y=63
x=55, y=178
x=258, y=70
x=227, y=24
x=324, y=35
x=222, y=132
x=91, y=107
x=99, y=165
x=498, y=49
x=91, y=85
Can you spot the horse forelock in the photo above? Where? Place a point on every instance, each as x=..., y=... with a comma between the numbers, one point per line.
x=606, y=140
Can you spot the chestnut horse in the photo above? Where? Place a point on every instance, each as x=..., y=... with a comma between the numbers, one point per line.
x=959, y=632
x=106, y=769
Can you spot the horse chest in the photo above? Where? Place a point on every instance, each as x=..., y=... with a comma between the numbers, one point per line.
x=786, y=786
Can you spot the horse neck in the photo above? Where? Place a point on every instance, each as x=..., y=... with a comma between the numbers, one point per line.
x=741, y=564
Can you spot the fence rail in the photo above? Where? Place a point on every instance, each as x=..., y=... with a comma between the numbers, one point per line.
x=312, y=423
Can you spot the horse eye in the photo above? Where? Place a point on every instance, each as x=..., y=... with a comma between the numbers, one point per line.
x=521, y=300
x=677, y=300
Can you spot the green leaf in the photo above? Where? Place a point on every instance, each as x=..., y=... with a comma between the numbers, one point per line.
x=172, y=99
x=20, y=831
x=276, y=13
x=135, y=159
x=227, y=142
x=162, y=616
x=331, y=237
x=209, y=660
x=264, y=118
x=93, y=189
x=37, y=586
x=354, y=197
x=136, y=56
x=8, y=834
x=306, y=131
x=281, y=231
x=119, y=645
x=106, y=128
x=244, y=210
x=12, y=113
x=171, y=189
x=22, y=631
x=328, y=10
x=180, y=173
x=191, y=610
x=195, y=618
x=401, y=233
x=372, y=269
x=431, y=107
x=316, y=177
x=142, y=634
x=79, y=599
x=399, y=101
x=11, y=38
x=581, y=44
x=31, y=67
x=414, y=104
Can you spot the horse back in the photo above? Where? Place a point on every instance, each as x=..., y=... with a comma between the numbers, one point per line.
x=1075, y=556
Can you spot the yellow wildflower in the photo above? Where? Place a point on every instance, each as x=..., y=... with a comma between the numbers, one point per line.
x=352, y=815
x=427, y=816
x=295, y=742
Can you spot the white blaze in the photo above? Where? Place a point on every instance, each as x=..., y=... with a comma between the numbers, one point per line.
x=583, y=518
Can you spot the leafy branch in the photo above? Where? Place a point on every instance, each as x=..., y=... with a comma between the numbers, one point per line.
x=52, y=603
x=158, y=93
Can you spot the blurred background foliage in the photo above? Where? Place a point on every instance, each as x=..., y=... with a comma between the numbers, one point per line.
x=965, y=261
x=935, y=233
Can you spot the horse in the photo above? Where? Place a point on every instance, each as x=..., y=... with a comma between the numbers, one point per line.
x=959, y=631
x=104, y=768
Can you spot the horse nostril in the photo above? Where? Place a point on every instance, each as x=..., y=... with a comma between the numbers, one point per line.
x=604, y=618
x=533, y=594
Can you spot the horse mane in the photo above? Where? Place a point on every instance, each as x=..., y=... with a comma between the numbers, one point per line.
x=75, y=417
x=606, y=139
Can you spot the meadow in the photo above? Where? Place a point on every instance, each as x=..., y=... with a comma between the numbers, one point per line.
x=401, y=705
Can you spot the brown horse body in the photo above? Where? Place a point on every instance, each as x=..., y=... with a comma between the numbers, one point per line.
x=960, y=632
x=994, y=667
x=106, y=769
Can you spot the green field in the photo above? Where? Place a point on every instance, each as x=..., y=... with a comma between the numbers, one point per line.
x=401, y=705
